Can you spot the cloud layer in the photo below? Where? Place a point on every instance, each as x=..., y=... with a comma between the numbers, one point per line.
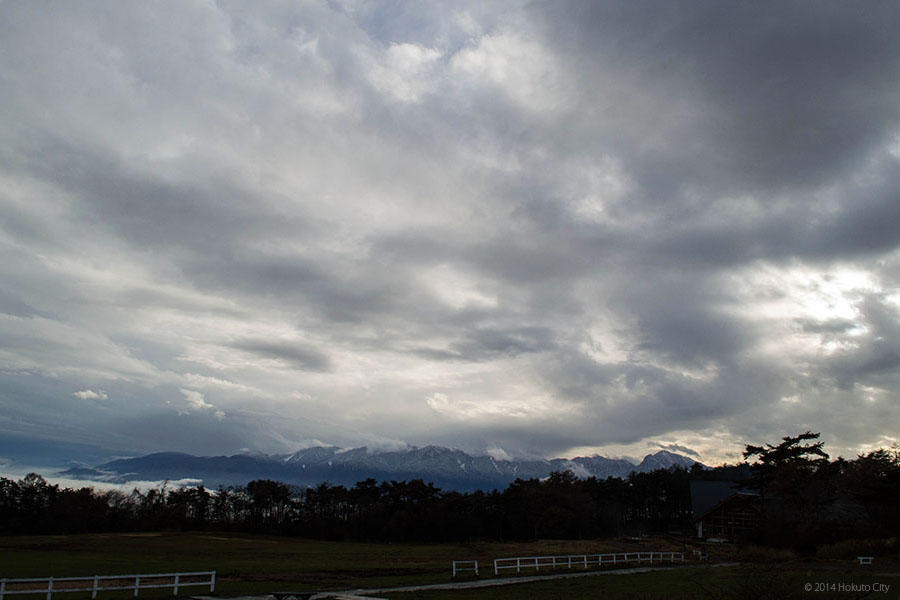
x=531, y=228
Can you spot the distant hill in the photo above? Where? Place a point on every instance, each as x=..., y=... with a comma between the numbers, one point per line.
x=445, y=467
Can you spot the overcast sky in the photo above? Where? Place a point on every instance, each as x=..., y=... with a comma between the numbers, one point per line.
x=524, y=228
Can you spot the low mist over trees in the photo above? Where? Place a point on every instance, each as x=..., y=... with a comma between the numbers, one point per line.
x=807, y=499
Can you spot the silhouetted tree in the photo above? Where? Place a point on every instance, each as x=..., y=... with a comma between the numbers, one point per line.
x=270, y=503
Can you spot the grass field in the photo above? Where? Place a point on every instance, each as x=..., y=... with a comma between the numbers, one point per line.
x=260, y=564
x=249, y=564
x=658, y=585
x=721, y=583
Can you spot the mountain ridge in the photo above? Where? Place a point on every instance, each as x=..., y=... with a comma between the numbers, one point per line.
x=446, y=467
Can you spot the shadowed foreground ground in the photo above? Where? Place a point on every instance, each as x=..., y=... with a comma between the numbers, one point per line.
x=259, y=565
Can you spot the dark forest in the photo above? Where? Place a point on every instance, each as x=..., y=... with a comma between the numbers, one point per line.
x=807, y=500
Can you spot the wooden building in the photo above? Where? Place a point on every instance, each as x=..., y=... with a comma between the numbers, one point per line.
x=730, y=519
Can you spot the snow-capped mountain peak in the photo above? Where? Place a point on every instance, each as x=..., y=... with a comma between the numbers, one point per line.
x=447, y=467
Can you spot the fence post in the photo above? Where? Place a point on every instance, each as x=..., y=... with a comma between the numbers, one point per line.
x=518, y=565
x=49, y=588
x=496, y=570
x=2, y=587
x=212, y=582
x=175, y=590
x=94, y=588
x=137, y=585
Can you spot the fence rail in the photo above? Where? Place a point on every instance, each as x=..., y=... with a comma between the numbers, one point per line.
x=465, y=566
x=583, y=560
x=104, y=583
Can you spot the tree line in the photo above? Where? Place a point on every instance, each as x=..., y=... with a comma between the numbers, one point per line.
x=804, y=496
x=560, y=506
x=808, y=500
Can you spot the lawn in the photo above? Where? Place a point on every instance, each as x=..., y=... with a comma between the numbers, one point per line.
x=746, y=582
x=251, y=563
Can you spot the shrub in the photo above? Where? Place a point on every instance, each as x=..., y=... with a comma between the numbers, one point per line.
x=764, y=554
x=854, y=548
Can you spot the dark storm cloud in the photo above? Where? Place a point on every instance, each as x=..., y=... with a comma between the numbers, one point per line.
x=205, y=215
x=523, y=262
x=678, y=448
x=874, y=356
x=297, y=356
x=488, y=344
x=527, y=259
x=677, y=317
x=11, y=305
x=854, y=221
x=834, y=326
x=782, y=94
x=194, y=433
x=254, y=272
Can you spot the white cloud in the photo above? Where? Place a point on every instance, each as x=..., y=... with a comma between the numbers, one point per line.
x=518, y=66
x=406, y=72
x=498, y=453
x=19, y=472
x=91, y=395
x=499, y=410
x=194, y=401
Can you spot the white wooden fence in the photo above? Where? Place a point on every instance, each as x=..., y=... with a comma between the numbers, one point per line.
x=465, y=566
x=583, y=560
x=98, y=583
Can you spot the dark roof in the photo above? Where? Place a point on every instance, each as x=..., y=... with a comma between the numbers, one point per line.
x=735, y=497
x=707, y=494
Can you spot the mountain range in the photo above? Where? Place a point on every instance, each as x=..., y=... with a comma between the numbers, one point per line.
x=447, y=468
